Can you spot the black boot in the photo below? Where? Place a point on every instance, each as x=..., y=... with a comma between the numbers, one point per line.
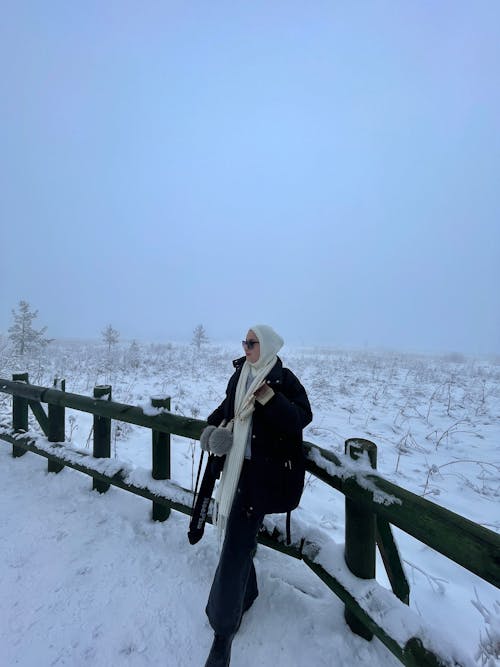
x=220, y=653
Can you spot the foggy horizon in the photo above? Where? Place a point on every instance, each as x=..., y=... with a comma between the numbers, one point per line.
x=327, y=169
x=291, y=343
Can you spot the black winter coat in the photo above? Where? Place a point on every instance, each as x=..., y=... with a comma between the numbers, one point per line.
x=277, y=464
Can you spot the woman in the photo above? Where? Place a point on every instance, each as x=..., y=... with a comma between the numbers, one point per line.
x=266, y=409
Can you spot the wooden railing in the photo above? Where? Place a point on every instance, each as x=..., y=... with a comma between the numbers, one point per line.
x=372, y=505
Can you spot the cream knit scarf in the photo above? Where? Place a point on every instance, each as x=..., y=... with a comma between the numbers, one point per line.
x=244, y=405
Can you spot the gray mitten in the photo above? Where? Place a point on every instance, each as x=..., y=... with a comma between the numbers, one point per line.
x=220, y=441
x=205, y=436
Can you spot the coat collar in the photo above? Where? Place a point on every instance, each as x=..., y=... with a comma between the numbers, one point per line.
x=238, y=363
x=273, y=375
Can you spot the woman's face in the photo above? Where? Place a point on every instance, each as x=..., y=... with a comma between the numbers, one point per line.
x=253, y=354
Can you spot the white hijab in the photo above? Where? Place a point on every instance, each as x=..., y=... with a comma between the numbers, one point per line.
x=269, y=345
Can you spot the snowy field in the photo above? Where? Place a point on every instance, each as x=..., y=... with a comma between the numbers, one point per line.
x=90, y=579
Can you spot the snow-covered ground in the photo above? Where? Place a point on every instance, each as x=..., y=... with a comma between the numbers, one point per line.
x=89, y=578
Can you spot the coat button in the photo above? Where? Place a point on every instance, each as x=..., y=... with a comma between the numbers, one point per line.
x=253, y=436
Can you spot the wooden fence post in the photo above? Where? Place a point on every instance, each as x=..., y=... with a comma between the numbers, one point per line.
x=19, y=413
x=359, y=533
x=56, y=425
x=161, y=458
x=102, y=434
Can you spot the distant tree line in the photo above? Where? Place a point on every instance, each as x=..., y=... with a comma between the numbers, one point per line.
x=26, y=339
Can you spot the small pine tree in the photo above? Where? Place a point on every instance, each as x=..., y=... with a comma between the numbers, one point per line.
x=23, y=336
x=134, y=355
x=110, y=336
x=199, y=336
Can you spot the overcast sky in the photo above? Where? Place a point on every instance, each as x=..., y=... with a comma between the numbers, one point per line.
x=330, y=168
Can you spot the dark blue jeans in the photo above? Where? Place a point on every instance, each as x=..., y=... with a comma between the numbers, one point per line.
x=234, y=587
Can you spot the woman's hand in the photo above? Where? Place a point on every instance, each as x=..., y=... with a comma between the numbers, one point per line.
x=205, y=437
x=264, y=393
x=216, y=440
x=221, y=441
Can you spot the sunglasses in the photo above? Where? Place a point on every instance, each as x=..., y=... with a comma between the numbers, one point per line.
x=249, y=344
